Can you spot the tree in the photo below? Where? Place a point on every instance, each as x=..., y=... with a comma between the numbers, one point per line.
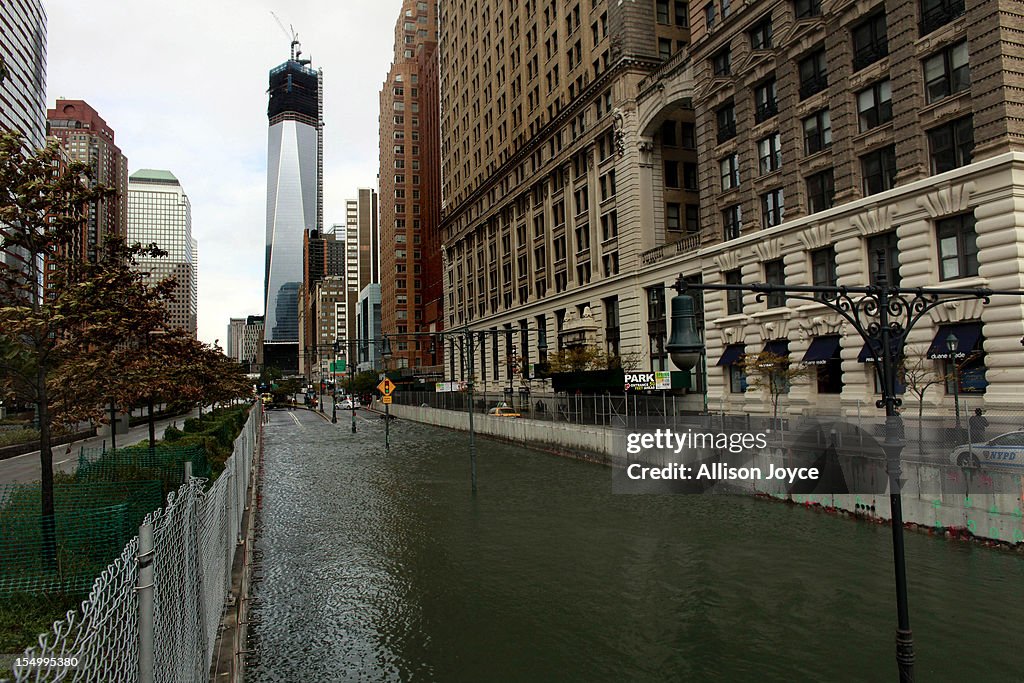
x=773, y=373
x=589, y=357
x=918, y=374
x=81, y=309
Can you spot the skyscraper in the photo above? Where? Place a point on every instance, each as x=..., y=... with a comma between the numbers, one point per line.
x=159, y=211
x=402, y=192
x=294, y=199
x=362, y=252
x=23, y=69
x=88, y=139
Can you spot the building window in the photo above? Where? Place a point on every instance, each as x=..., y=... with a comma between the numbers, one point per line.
x=672, y=217
x=874, y=105
x=869, y=41
x=732, y=222
x=821, y=191
x=879, y=170
x=775, y=274
x=730, y=170
x=817, y=132
x=689, y=135
x=830, y=376
x=671, y=173
x=938, y=13
x=709, y=15
x=888, y=244
x=668, y=134
x=804, y=9
x=813, y=73
x=611, y=325
x=726, y=119
x=823, y=269
x=952, y=145
x=665, y=49
x=958, y=249
x=761, y=35
x=772, y=212
x=656, y=327
x=661, y=11
x=947, y=72
x=769, y=153
x=721, y=62
x=692, y=218
x=765, y=100
x=690, y=176
x=737, y=379
x=733, y=297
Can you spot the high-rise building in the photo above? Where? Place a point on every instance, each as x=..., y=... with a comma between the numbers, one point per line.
x=294, y=199
x=402, y=192
x=87, y=138
x=22, y=81
x=159, y=212
x=368, y=324
x=252, y=342
x=323, y=256
x=23, y=69
x=826, y=136
x=558, y=187
x=362, y=252
x=236, y=333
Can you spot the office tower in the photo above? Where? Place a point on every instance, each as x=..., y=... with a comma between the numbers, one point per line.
x=368, y=324
x=400, y=178
x=87, y=138
x=159, y=212
x=559, y=185
x=323, y=256
x=294, y=200
x=429, y=294
x=362, y=251
x=22, y=81
x=23, y=69
x=252, y=342
x=236, y=333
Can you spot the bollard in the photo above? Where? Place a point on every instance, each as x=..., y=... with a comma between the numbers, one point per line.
x=144, y=587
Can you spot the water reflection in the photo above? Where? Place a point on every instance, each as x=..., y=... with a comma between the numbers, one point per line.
x=381, y=566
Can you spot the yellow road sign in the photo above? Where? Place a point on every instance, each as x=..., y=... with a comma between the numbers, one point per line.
x=386, y=387
x=386, y=400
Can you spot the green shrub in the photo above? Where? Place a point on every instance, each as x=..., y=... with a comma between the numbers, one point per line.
x=173, y=434
x=15, y=436
x=193, y=424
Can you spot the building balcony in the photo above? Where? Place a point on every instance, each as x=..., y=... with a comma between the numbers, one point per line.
x=765, y=111
x=940, y=15
x=726, y=131
x=870, y=53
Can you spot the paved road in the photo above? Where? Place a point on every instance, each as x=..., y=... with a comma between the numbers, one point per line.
x=25, y=468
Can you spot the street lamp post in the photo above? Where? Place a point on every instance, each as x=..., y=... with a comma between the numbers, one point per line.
x=334, y=379
x=351, y=387
x=883, y=315
x=951, y=344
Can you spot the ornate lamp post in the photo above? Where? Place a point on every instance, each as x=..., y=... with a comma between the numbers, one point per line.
x=951, y=344
x=883, y=315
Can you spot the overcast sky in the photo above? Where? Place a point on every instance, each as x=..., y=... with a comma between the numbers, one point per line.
x=183, y=84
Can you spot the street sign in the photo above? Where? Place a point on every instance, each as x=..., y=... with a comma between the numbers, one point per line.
x=386, y=387
x=386, y=400
x=338, y=366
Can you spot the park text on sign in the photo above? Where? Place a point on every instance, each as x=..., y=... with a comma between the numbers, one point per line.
x=643, y=381
x=386, y=387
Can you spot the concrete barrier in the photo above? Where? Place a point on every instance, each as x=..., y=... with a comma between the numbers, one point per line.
x=932, y=496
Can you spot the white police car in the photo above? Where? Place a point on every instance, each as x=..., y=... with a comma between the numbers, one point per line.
x=1005, y=450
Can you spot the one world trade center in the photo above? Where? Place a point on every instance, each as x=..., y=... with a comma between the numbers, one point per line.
x=294, y=200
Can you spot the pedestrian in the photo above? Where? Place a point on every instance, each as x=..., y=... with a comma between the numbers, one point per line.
x=978, y=424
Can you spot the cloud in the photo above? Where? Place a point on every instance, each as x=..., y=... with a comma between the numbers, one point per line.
x=183, y=85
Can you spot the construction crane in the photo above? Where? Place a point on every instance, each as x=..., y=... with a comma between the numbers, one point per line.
x=292, y=36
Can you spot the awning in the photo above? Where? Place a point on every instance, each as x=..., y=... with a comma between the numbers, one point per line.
x=968, y=336
x=822, y=350
x=731, y=354
x=868, y=355
x=780, y=347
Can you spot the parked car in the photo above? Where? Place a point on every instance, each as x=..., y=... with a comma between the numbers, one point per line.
x=345, y=405
x=1005, y=450
x=503, y=411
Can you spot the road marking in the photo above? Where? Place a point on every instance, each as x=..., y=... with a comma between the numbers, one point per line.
x=292, y=415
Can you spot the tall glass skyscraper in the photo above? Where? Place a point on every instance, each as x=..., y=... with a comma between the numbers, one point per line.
x=294, y=199
x=159, y=211
x=23, y=69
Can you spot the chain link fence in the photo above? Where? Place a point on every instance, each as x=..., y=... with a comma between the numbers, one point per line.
x=194, y=540
x=164, y=462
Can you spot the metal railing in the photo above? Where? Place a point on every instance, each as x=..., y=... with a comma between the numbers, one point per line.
x=133, y=628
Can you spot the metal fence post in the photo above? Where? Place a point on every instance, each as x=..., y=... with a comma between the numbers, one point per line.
x=188, y=471
x=145, y=591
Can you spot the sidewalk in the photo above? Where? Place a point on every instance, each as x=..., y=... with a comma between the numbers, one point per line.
x=25, y=468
